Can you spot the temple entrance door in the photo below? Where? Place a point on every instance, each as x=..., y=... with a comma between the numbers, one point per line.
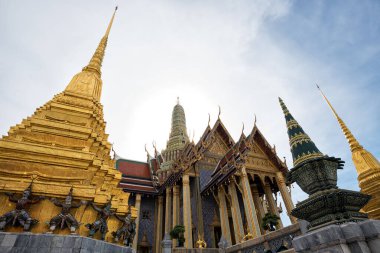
x=217, y=235
x=232, y=232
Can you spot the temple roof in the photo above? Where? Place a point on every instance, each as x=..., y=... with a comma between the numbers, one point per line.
x=235, y=158
x=137, y=176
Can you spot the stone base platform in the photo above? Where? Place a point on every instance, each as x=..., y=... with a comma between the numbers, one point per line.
x=361, y=237
x=51, y=243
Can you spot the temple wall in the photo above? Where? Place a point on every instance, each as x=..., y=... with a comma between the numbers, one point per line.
x=209, y=207
x=147, y=225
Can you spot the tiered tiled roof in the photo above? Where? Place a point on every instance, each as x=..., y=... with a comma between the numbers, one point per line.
x=136, y=176
x=235, y=157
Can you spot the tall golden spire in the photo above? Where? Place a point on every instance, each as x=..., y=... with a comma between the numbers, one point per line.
x=354, y=144
x=367, y=167
x=96, y=61
x=88, y=82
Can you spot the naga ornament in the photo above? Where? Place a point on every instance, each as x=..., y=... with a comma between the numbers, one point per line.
x=19, y=216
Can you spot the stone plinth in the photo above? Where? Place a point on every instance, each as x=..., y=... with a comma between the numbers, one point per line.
x=361, y=237
x=166, y=244
x=333, y=206
x=49, y=243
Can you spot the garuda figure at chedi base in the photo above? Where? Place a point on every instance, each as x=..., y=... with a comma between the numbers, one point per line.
x=65, y=218
x=101, y=223
x=20, y=216
x=127, y=231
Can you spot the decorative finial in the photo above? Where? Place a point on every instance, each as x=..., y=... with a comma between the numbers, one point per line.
x=209, y=118
x=147, y=153
x=96, y=61
x=242, y=130
x=155, y=148
x=177, y=100
x=254, y=123
x=116, y=8
x=220, y=111
x=354, y=144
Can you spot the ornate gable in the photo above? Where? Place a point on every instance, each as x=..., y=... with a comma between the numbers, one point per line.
x=219, y=146
x=261, y=156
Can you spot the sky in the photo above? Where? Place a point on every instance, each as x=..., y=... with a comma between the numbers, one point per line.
x=239, y=55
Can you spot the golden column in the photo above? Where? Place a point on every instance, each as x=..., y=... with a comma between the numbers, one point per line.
x=223, y=213
x=285, y=196
x=249, y=205
x=258, y=204
x=187, y=211
x=236, y=214
x=175, y=209
x=168, y=210
x=158, y=224
x=272, y=205
x=137, y=206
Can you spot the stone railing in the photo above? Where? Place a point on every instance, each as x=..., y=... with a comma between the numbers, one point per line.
x=272, y=241
x=205, y=250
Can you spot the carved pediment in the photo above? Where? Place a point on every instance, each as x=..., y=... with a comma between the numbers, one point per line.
x=218, y=146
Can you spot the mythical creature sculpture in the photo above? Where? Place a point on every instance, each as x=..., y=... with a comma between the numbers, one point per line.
x=20, y=216
x=101, y=223
x=65, y=218
x=127, y=231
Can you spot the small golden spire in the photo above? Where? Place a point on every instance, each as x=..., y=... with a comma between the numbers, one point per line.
x=220, y=111
x=95, y=63
x=354, y=144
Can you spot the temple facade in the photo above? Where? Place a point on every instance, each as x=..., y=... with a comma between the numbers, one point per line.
x=217, y=186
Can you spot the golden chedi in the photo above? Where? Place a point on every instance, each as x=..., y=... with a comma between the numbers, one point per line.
x=63, y=145
x=367, y=167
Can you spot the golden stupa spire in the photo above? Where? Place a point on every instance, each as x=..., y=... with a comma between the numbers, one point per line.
x=354, y=144
x=96, y=61
x=88, y=82
x=367, y=167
